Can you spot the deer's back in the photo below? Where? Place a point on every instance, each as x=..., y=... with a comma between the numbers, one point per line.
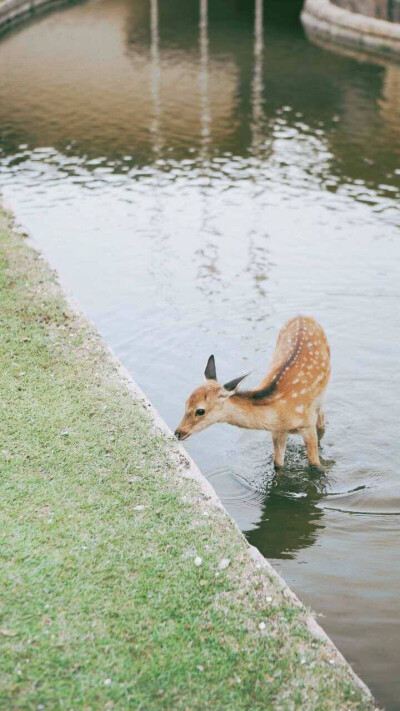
x=300, y=367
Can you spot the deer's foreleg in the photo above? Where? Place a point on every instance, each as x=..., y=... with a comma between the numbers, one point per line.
x=310, y=437
x=279, y=440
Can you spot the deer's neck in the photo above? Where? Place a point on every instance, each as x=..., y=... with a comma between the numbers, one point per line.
x=242, y=412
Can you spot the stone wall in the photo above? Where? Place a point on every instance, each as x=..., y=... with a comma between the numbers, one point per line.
x=343, y=23
x=14, y=11
x=381, y=9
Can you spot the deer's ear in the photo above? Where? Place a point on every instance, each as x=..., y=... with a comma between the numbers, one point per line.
x=233, y=385
x=210, y=372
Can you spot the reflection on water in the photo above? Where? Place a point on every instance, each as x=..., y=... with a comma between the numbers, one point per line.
x=281, y=505
x=155, y=77
x=198, y=172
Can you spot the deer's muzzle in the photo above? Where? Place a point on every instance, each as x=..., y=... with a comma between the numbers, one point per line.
x=181, y=434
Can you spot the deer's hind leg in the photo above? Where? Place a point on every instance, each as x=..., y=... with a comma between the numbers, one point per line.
x=310, y=437
x=279, y=439
x=320, y=422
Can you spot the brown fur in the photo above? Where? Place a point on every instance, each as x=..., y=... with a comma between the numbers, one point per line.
x=289, y=399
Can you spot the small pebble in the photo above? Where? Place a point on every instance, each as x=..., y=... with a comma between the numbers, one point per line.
x=268, y=598
x=7, y=632
x=261, y=626
x=107, y=682
x=224, y=563
x=200, y=667
x=139, y=508
x=198, y=561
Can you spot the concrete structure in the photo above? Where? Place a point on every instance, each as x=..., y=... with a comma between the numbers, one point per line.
x=380, y=9
x=355, y=24
x=14, y=11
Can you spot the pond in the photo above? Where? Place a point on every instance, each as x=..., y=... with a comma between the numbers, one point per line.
x=198, y=174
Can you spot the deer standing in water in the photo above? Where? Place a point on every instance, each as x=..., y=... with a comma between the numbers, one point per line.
x=288, y=400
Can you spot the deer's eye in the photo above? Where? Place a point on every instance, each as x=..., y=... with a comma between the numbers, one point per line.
x=200, y=412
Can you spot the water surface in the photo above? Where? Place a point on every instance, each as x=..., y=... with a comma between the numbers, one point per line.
x=197, y=175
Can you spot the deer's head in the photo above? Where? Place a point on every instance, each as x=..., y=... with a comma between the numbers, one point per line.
x=207, y=404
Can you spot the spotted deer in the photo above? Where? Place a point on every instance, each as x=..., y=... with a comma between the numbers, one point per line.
x=288, y=400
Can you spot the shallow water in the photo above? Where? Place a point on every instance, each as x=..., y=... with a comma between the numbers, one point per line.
x=197, y=176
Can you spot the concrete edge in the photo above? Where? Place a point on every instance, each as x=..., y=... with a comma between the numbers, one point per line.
x=186, y=466
x=377, y=37
x=13, y=12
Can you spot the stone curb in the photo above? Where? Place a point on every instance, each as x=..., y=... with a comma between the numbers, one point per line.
x=14, y=11
x=322, y=20
x=188, y=469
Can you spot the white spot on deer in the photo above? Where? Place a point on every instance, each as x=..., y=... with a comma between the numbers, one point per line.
x=296, y=381
x=294, y=394
x=299, y=409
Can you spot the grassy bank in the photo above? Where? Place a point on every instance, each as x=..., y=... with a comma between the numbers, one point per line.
x=102, y=605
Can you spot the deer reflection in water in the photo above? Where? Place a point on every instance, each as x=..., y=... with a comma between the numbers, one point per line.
x=291, y=518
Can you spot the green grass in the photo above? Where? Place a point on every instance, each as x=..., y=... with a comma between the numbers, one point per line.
x=101, y=604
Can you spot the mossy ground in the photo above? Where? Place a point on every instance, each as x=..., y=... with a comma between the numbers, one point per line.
x=101, y=603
